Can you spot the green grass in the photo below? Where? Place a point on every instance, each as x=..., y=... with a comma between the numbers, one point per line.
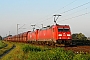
x=4, y=49
x=26, y=48
x=2, y=44
x=49, y=55
x=39, y=53
x=32, y=52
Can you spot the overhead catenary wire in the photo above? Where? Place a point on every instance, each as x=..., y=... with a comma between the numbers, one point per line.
x=76, y=16
x=53, y=12
x=42, y=21
x=66, y=12
x=75, y=7
x=56, y=11
x=21, y=26
x=76, y=12
x=70, y=9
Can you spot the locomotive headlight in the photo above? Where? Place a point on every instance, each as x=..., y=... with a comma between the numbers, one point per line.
x=68, y=35
x=59, y=34
x=68, y=38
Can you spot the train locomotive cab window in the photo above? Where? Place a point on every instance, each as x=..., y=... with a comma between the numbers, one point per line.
x=63, y=29
x=66, y=29
x=60, y=29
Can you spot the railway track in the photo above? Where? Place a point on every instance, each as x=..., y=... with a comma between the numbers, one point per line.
x=75, y=48
x=79, y=49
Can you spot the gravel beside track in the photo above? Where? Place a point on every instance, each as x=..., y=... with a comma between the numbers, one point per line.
x=79, y=49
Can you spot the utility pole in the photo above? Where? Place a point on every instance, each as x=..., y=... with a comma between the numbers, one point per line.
x=33, y=26
x=17, y=29
x=56, y=17
x=42, y=25
x=6, y=35
x=9, y=32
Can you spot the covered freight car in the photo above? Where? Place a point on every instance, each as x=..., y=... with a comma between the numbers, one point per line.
x=25, y=36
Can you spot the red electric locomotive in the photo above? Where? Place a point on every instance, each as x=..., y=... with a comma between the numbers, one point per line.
x=58, y=34
x=62, y=35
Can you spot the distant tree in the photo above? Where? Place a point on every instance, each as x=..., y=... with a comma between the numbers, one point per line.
x=79, y=36
x=74, y=36
x=88, y=38
x=0, y=37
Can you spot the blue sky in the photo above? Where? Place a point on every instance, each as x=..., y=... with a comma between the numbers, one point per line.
x=75, y=13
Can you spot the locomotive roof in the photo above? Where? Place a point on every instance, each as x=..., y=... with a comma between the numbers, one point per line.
x=48, y=27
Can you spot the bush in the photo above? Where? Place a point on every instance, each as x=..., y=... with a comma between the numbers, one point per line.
x=27, y=48
x=37, y=53
x=54, y=54
x=82, y=57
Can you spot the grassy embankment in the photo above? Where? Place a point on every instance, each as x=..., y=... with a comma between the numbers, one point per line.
x=2, y=44
x=31, y=52
x=5, y=46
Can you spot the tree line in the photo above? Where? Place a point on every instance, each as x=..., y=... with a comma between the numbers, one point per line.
x=0, y=37
x=79, y=36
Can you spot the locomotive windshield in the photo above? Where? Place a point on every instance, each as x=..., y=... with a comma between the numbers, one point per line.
x=63, y=29
x=66, y=29
x=60, y=29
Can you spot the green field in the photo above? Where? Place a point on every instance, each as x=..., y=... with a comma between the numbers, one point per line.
x=2, y=44
x=32, y=52
x=5, y=48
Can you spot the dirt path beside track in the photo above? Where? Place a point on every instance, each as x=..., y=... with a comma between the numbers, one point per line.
x=79, y=49
x=6, y=49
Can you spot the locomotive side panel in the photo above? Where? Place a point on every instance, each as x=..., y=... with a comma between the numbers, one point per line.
x=32, y=36
x=45, y=35
x=36, y=33
x=49, y=34
x=54, y=33
x=40, y=35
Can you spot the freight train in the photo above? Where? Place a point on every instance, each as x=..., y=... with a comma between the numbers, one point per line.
x=55, y=34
